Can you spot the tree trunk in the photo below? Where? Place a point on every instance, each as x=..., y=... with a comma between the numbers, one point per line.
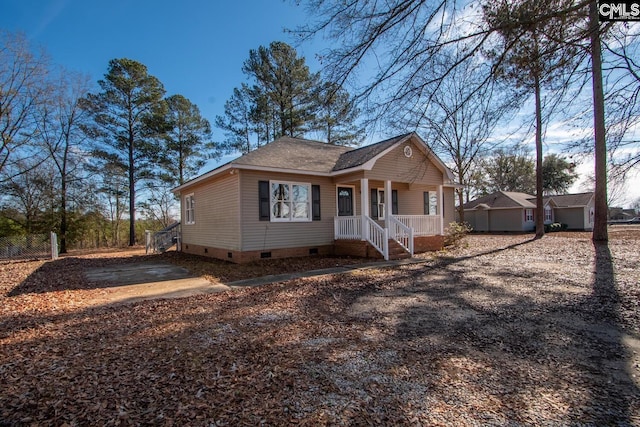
x=132, y=195
x=539, y=183
x=63, y=215
x=600, y=232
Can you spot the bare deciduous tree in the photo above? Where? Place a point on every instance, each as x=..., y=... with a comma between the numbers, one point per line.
x=59, y=126
x=23, y=88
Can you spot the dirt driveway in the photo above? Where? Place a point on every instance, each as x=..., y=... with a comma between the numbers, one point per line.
x=504, y=332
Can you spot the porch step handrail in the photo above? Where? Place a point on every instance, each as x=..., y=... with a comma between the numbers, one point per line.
x=164, y=239
x=378, y=237
x=402, y=234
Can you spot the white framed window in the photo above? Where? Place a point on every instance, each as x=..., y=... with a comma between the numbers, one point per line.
x=290, y=201
x=433, y=203
x=548, y=214
x=430, y=203
x=189, y=209
x=528, y=215
x=381, y=207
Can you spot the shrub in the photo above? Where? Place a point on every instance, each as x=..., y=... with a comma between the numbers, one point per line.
x=455, y=233
x=556, y=226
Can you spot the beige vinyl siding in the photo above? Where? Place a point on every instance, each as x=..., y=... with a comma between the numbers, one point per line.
x=477, y=219
x=573, y=217
x=351, y=178
x=395, y=166
x=411, y=198
x=508, y=220
x=449, y=206
x=265, y=235
x=217, y=221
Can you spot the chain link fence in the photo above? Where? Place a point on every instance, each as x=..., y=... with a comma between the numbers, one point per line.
x=29, y=246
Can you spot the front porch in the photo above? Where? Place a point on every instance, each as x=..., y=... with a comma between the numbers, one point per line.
x=388, y=219
x=396, y=237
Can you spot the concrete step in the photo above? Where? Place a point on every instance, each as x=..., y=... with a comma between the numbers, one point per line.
x=396, y=251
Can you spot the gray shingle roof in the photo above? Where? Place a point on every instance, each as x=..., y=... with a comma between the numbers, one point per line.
x=567, y=200
x=294, y=153
x=362, y=155
x=511, y=199
x=306, y=156
x=502, y=199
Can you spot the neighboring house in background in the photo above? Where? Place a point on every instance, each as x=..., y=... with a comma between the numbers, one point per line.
x=575, y=210
x=621, y=214
x=295, y=197
x=512, y=211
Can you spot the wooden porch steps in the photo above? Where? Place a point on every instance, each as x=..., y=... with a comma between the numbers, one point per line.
x=396, y=251
x=364, y=249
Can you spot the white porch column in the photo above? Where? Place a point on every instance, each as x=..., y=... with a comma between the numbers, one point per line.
x=364, y=206
x=388, y=208
x=440, y=209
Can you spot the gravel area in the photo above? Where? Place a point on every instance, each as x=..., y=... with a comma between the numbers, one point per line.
x=503, y=331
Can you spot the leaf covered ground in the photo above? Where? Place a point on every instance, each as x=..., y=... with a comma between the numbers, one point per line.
x=502, y=331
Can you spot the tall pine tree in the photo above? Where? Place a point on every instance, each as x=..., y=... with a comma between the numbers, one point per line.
x=120, y=112
x=284, y=79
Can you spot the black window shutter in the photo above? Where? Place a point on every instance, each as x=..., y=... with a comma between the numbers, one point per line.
x=263, y=196
x=394, y=202
x=315, y=202
x=426, y=203
x=374, y=203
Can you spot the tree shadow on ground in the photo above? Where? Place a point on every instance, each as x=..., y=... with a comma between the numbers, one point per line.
x=443, y=343
x=499, y=347
x=69, y=273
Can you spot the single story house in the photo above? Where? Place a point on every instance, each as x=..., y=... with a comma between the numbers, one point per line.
x=515, y=212
x=296, y=197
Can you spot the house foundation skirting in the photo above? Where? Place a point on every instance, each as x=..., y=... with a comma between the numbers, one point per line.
x=240, y=257
x=354, y=248
x=427, y=243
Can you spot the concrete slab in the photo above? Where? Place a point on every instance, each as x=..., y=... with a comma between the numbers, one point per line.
x=140, y=272
x=144, y=281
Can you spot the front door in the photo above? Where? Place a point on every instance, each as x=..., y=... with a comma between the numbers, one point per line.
x=345, y=201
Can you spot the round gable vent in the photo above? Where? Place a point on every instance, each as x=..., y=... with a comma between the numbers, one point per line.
x=408, y=152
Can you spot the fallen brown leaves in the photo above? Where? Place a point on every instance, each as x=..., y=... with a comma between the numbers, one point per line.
x=504, y=331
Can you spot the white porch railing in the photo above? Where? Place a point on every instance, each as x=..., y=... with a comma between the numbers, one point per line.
x=378, y=237
x=401, y=234
x=403, y=229
x=347, y=227
x=423, y=225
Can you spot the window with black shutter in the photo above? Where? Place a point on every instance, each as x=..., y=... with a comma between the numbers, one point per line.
x=263, y=196
x=394, y=202
x=374, y=203
x=315, y=202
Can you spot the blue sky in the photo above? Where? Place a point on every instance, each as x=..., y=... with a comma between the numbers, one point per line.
x=195, y=47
